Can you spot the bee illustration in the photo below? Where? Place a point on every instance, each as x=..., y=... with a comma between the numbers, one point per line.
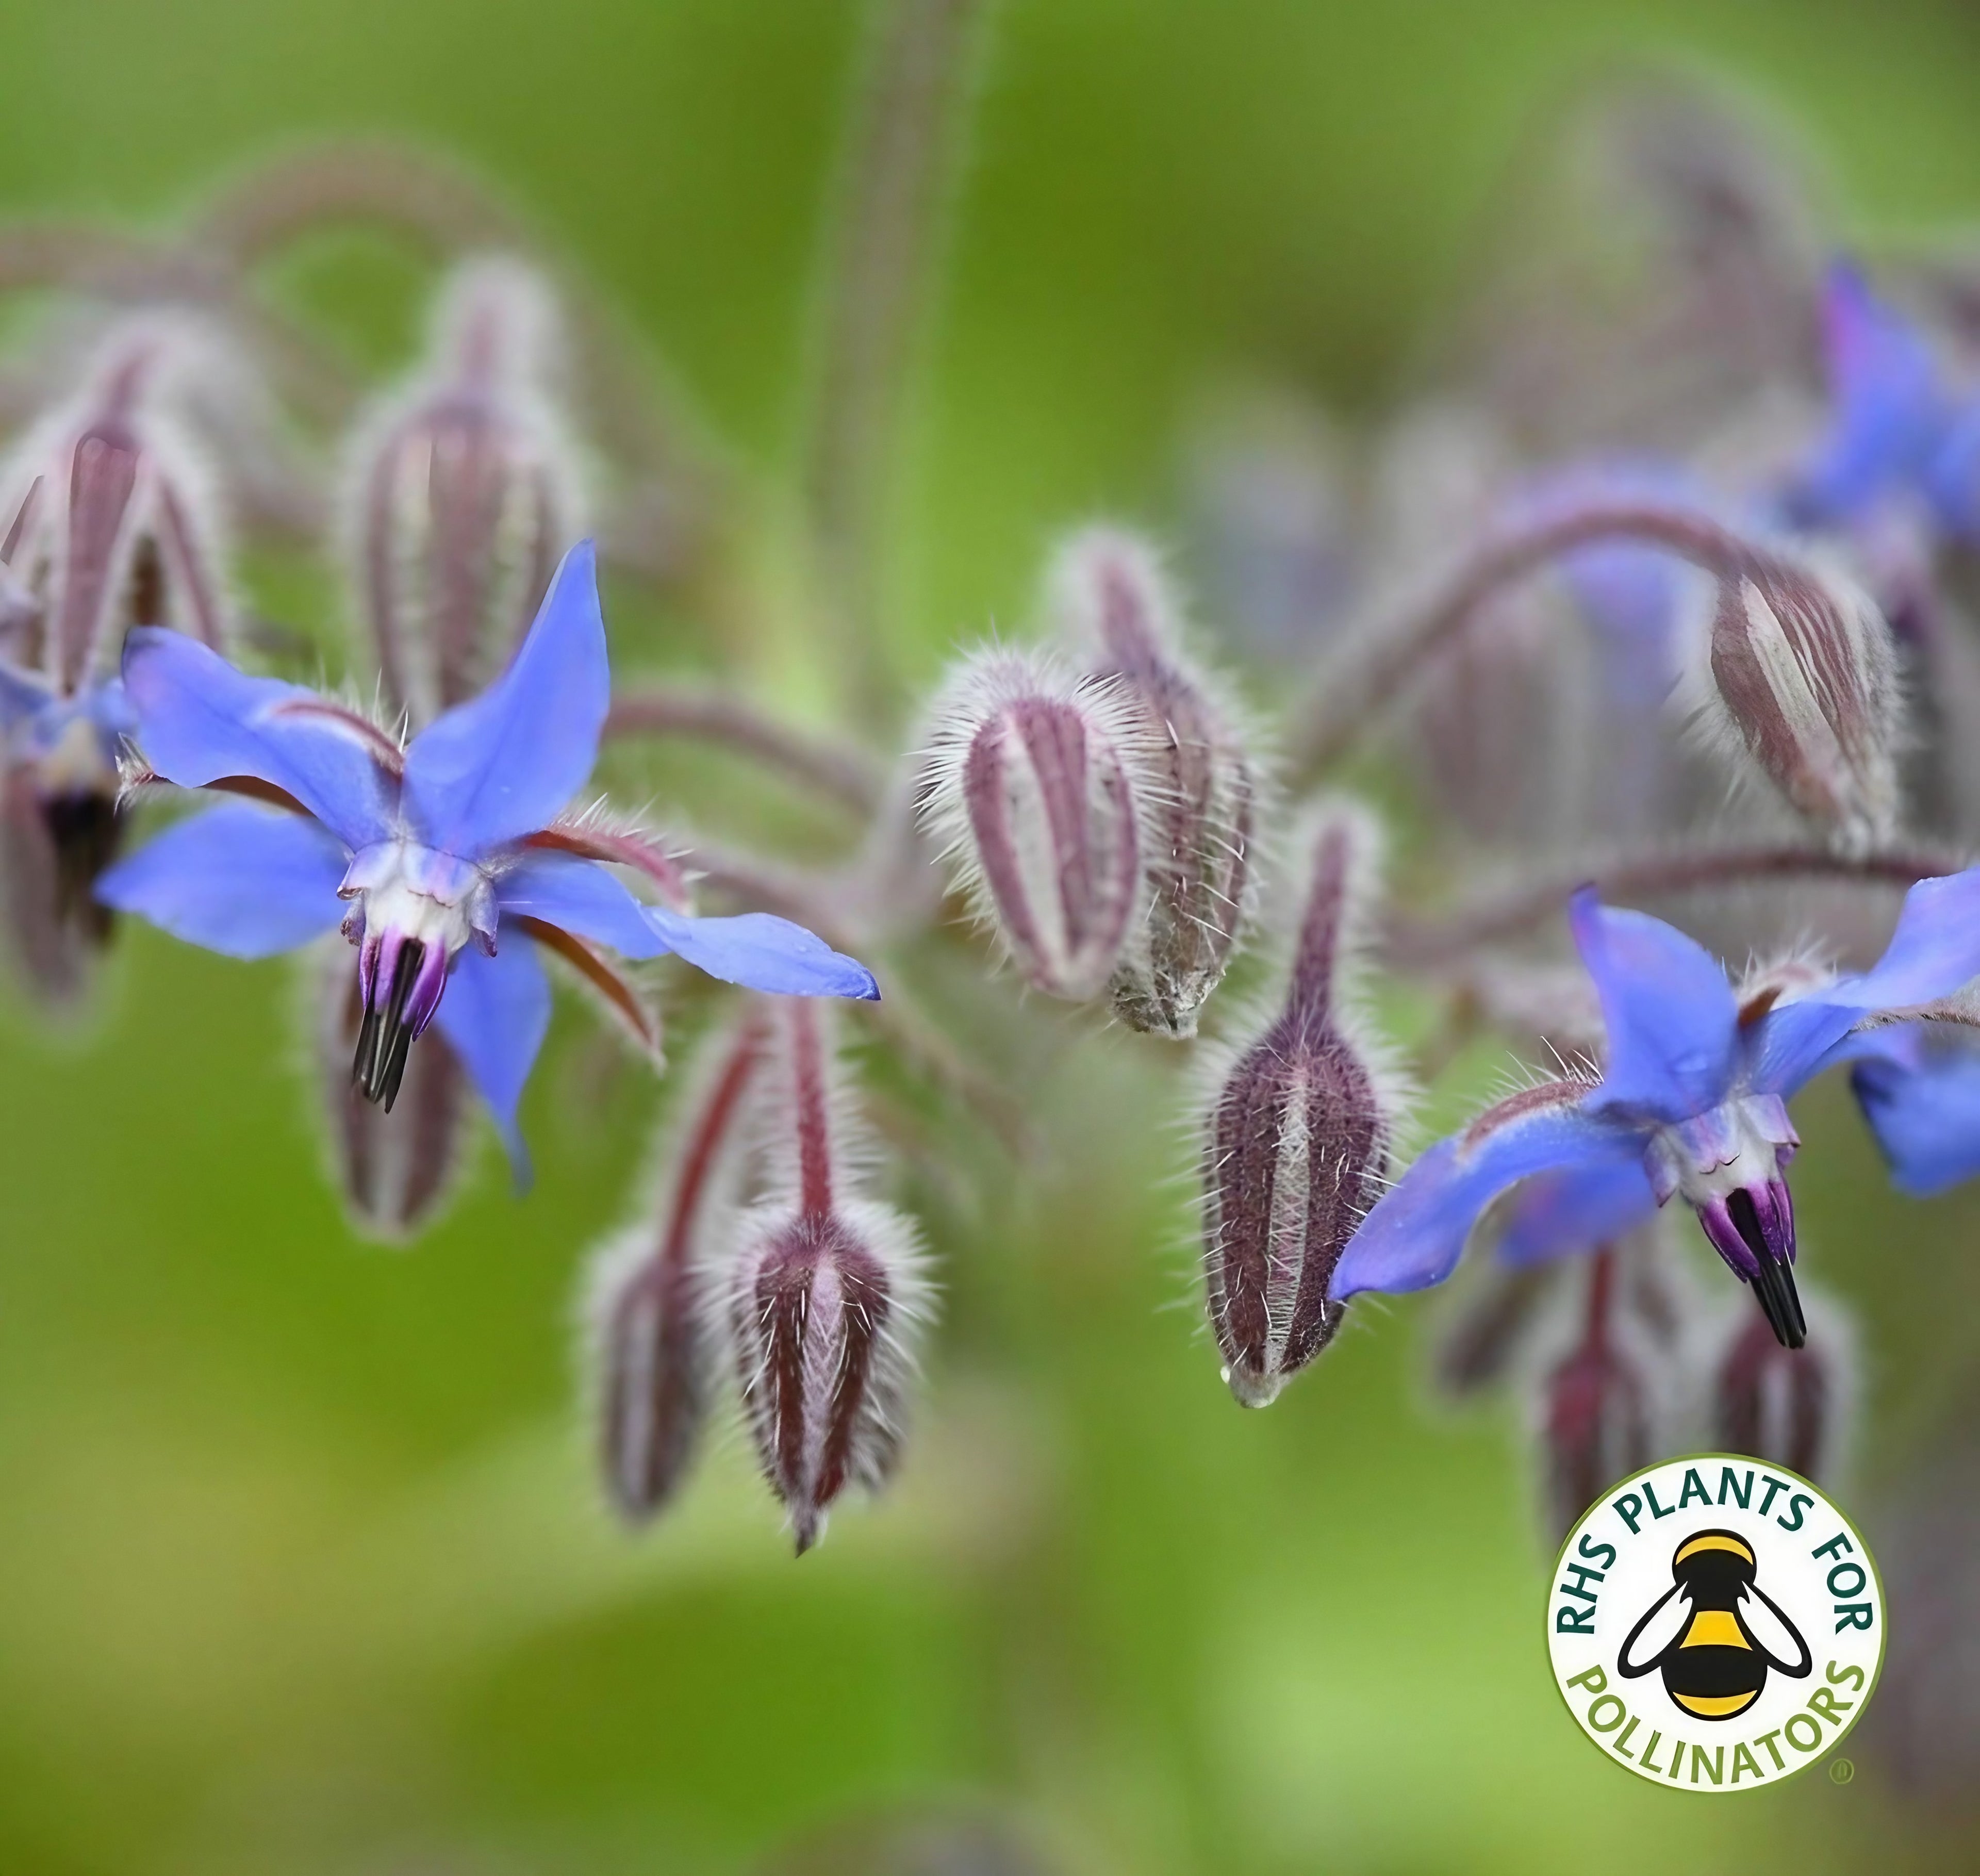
x=1715, y=1632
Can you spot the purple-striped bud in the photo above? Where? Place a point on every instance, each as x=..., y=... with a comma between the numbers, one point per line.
x=1037, y=786
x=463, y=487
x=1112, y=600
x=655, y=1349
x=1296, y=1141
x=1598, y=1412
x=396, y=1167
x=1802, y=678
x=824, y=1292
x=1791, y=1407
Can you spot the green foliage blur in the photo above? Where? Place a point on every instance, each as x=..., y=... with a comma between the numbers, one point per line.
x=302, y=1568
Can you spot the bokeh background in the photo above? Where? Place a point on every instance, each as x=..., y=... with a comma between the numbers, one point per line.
x=302, y=1565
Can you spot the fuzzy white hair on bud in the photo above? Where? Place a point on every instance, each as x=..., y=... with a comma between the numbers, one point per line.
x=1790, y=675
x=1038, y=787
x=1300, y=1113
x=825, y=1291
x=1116, y=608
x=462, y=487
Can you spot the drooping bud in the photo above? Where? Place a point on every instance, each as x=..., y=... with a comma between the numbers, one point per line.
x=824, y=1292
x=1792, y=1408
x=1802, y=678
x=1597, y=1408
x=108, y=519
x=1038, y=787
x=654, y=1345
x=463, y=488
x=1296, y=1141
x=396, y=1167
x=1110, y=596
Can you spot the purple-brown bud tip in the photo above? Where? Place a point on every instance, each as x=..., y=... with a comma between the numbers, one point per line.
x=654, y=1341
x=1296, y=1141
x=1802, y=679
x=1037, y=786
x=824, y=1293
x=1115, y=605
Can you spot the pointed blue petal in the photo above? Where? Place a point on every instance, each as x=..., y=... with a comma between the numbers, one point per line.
x=1414, y=1236
x=495, y=1012
x=1672, y=1022
x=1886, y=408
x=240, y=879
x=1575, y=1209
x=579, y=896
x=507, y=762
x=199, y=720
x=764, y=953
x=1935, y=951
x=1920, y=1095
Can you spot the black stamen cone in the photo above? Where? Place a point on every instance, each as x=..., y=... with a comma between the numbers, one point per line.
x=1773, y=1282
x=384, y=1038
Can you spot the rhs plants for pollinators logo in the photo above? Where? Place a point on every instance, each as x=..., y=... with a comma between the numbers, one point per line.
x=1714, y=1624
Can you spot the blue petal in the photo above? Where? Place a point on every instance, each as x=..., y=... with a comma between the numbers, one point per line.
x=495, y=1013
x=1672, y=1022
x=1935, y=951
x=1414, y=1236
x=1575, y=1209
x=199, y=720
x=1886, y=409
x=240, y=879
x=579, y=896
x=1921, y=1098
x=23, y=695
x=764, y=952
x=1952, y=476
x=505, y=764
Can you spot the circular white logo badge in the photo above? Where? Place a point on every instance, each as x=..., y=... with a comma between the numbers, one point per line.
x=1714, y=1624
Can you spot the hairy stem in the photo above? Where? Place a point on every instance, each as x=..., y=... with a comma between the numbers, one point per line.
x=1378, y=659
x=876, y=272
x=841, y=770
x=1426, y=946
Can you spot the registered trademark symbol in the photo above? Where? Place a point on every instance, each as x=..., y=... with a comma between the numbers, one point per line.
x=1841, y=1771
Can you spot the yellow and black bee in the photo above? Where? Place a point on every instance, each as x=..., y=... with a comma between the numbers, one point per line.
x=1715, y=1632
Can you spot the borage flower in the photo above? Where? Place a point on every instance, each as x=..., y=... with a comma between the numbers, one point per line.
x=433, y=856
x=1691, y=1103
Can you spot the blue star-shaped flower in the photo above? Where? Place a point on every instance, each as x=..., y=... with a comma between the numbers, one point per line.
x=437, y=859
x=1691, y=1103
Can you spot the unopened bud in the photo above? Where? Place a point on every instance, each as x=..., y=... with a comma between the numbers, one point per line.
x=1295, y=1142
x=1803, y=678
x=654, y=1348
x=1110, y=595
x=463, y=488
x=824, y=1293
x=1791, y=1407
x=1037, y=788
x=1486, y=1329
x=1598, y=1409
x=396, y=1167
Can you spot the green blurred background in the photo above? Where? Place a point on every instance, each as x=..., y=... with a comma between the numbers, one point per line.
x=301, y=1568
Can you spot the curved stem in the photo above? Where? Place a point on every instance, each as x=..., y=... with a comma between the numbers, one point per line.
x=840, y=770
x=1425, y=945
x=1379, y=659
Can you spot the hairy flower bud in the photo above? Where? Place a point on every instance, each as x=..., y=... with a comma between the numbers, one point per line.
x=1111, y=598
x=1296, y=1141
x=462, y=490
x=1037, y=786
x=396, y=1167
x=1802, y=677
x=824, y=1292
x=654, y=1349
x=108, y=519
x=1598, y=1408
x=1789, y=1406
